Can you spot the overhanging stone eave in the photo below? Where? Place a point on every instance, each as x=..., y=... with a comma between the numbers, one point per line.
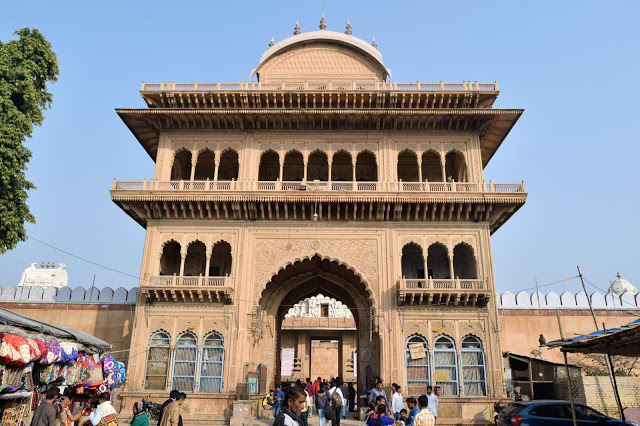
x=493, y=124
x=489, y=210
x=504, y=218
x=309, y=196
x=494, y=135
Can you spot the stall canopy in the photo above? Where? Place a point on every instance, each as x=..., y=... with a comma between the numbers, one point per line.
x=623, y=340
x=12, y=319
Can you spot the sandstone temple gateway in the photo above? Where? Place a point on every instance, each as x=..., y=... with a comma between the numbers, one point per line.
x=321, y=176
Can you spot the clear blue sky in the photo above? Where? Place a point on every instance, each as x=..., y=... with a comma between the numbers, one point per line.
x=574, y=67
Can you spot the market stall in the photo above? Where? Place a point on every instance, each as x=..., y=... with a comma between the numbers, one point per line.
x=35, y=356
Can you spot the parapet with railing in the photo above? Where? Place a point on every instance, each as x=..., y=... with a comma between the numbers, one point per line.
x=441, y=284
x=322, y=85
x=187, y=281
x=322, y=186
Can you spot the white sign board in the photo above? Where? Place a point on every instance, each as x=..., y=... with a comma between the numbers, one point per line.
x=416, y=350
x=286, y=362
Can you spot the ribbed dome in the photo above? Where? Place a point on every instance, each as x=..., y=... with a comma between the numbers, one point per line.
x=620, y=285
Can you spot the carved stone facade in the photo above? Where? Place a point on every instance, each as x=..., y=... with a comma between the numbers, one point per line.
x=372, y=193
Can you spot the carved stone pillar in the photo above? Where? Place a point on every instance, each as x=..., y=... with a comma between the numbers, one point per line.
x=208, y=253
x=281, y=161
x=194, y=161
x=216, y=165
x=182, y=258
x=419, y=168
x=353, y=168
x=444, y=173
x=450, y=255
x=305, y=160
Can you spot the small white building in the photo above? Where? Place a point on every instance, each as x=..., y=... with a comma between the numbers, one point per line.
x=319, y=306
x=45, y=275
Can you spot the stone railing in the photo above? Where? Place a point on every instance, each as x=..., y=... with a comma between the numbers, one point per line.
x=322, y=85
x=441, y=284
x=271, y=186
x=567, y=300
x=76, y=295
x=186, y=281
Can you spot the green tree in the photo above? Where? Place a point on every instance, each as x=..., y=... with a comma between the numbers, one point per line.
x=26, y=65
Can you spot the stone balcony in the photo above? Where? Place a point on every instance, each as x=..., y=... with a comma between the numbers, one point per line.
x=450, y=292
x=319, y=200
x=316, y=186
x=174, y=288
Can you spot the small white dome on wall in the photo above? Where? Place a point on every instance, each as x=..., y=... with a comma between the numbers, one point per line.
x=620, y=285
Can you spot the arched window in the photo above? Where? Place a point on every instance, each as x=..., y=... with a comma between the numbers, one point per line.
x=185, y=356
x=269, y=169
x=318, y=166
x=205, y=166
x=220, y=263
x=438, y=262
x=431, y=167
x=455, y=166
x=212, y=363
x=412, y=261
x=293, y=168
x=445, y=364
x=228, y=167
x=408, y=166
x=157, y=361
x=464, y=262
x=473, y=370
x=170, y=259
x=341, y=167
x=366, y=167
x=181, y=169
x=418, y=372
x=196, y=260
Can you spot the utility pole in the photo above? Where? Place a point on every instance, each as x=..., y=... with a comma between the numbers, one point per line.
x=584, y=288
x=612, y=377
x=566, y=366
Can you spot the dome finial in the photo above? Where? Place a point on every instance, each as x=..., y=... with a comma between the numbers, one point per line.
x=323, y=23
x=272, y=42
x=347, y=29
x=296, y=29
x=620, y=286
x=373, y=43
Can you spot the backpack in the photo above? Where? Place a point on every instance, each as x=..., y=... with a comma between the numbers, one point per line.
x=336, y=399
x=266, y=402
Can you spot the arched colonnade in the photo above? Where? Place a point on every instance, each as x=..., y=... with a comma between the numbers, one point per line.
x=438, y=264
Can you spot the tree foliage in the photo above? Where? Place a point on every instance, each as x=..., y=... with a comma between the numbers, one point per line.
x=26, y=65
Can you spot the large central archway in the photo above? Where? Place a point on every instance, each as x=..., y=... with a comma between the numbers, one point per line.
x=316, y=275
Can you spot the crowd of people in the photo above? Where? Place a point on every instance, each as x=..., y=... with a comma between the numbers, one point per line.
x=170, y=413
x=55, y=410
x=293, y=404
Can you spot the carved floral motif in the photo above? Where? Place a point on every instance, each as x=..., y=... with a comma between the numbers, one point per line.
x=272, y=254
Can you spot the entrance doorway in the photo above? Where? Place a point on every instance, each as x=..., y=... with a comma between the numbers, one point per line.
x=318, y=349
x=325, y=358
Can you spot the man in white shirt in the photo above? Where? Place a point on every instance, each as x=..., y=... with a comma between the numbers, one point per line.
x=397, y=403
x=433, y=401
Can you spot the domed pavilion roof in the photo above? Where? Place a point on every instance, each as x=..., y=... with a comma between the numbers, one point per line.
x=620, y=286
x=351, y=56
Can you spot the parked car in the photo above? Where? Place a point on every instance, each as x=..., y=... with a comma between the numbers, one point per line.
x=552, y=413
